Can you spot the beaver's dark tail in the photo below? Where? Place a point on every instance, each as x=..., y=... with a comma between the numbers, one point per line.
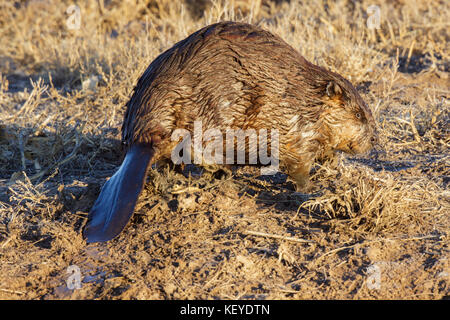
x=115, y=205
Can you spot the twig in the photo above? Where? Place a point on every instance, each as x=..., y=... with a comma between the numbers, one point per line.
x=410, y=53
x=12, y=291
x=380, y=240
x=276, y=236
x=185, y=189
x=336, y=250
x=413, y=127
x=60, y=163
x=22, y=152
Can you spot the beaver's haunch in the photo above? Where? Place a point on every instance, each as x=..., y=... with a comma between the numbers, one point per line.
x=238, y=76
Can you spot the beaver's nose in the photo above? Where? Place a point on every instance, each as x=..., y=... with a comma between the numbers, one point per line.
x=375, y=141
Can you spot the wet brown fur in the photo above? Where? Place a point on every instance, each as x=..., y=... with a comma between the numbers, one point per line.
x=236, y=75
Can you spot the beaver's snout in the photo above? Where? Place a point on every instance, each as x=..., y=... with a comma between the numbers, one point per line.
x=374, y=140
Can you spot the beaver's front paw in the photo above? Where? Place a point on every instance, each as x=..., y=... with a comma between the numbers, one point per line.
x=300, y=176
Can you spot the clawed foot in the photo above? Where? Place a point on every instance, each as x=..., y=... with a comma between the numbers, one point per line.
x=300, y=176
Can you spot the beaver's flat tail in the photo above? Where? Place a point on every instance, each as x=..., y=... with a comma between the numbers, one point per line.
x=115, y=205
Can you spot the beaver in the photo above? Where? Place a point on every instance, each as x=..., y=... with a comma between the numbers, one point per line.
x=231, y=75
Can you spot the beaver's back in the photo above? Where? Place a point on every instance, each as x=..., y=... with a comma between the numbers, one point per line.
x=225, y=74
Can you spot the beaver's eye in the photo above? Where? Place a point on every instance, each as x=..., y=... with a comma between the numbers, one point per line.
x=358, y=115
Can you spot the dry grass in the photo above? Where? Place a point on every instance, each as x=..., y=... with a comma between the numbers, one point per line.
x=62, y=96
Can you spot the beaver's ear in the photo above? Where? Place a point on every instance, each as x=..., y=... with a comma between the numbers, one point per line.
x=333, y=90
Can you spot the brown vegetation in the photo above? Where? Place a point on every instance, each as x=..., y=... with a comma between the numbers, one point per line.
x=62, y=97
